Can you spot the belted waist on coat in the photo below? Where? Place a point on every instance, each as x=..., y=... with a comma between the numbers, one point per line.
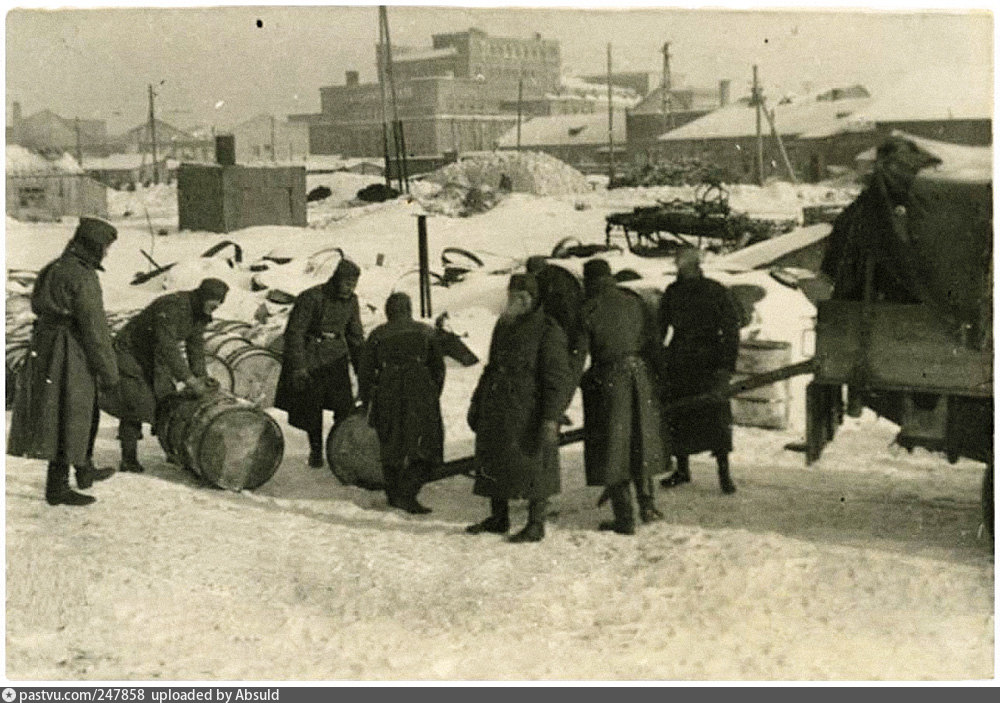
x=326, y=336
x=607, y=361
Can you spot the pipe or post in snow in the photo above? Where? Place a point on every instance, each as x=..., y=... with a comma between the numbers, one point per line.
x=152, y=132
x=274, y=154
x=781, y=144
x=385, y=112
x=611, y=126
x=520, y=97
x=79, y=150
x=760, y=136
x=425, y=270
x=399, y=140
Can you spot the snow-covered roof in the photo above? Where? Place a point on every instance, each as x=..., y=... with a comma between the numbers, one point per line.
x=794, y=115
x=566, y=130
x=116, y=162
x=23, y=162
x=400, y=54
x=936, y=93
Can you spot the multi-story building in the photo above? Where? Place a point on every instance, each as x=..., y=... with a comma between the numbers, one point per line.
x=496, y=61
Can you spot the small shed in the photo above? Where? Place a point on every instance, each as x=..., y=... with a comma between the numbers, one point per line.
x=40, y=190
x=223, y=198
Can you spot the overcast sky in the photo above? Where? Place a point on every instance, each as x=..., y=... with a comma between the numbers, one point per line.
x=219, y=66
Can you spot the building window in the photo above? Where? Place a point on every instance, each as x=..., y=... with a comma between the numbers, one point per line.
x=31, y=196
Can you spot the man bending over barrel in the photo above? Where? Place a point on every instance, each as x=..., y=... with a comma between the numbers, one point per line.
x=150, y=360
x=323, y=336
x=401, y=382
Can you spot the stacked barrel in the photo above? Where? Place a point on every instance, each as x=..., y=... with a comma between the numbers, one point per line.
x=766, y=406
x=241, y=366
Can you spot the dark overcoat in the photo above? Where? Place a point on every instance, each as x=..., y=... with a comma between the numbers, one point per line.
x=323, y=333
x=561, y=297
x=163, y=345
x=527, y=381
x=402, y=379
x=699, y=359
x=623, y=434
x=70, y=355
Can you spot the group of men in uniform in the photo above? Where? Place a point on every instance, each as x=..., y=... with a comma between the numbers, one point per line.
x=538, y=352
x=74, y=367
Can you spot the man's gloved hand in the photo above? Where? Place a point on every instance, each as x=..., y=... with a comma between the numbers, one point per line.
x=548, y=433
x=196, y=385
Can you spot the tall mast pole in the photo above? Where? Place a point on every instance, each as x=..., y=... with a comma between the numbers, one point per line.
x=760, y=136
x=381, y=88
x=404, y=178
x=152, y=133
x=611, y=126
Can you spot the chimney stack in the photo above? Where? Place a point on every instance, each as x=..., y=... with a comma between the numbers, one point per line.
x=351, y=78
x=225, y=149
x=724, y=92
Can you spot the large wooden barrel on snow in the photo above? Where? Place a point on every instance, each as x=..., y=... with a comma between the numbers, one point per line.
x=229, y=442
x=352, y=452
x=766, y=406
x=218, y=370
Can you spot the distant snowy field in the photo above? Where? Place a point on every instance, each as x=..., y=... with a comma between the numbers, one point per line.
x=867, y=565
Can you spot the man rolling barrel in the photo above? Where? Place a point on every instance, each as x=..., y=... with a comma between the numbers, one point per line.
x=515, y=412
x=622, y=441
x=700, y=359
x=322, y=338
x=70, y=358
x=151, y=362
x=401, y=382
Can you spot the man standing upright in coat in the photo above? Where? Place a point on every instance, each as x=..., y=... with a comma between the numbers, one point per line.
x=322, y=338
x=151, y=362
x=401, y=382
x=515, y=411
x=700, y=359
x=621, y=415
x=55, y=408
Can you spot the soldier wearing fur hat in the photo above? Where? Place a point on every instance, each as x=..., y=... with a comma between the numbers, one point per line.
x=151, y=362
x=700, y=359
x=55, y=409
x=401, y=383
x=515, y=411
x=323, y=338
x=622, y=440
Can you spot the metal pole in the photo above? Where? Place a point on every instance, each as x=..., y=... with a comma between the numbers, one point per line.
x=425, y=271
x=404, y=184
x=611, y=126
x=760, y=138
x=520, y=95
x=274, y=154
x=781, y=144
x=668, y=88
x=385, y=113
x=152, y=133
x=79, y=149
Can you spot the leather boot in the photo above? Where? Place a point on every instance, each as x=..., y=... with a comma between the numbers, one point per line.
x=406, y=484
x=57, y=490
x=316, y=449
x=534, y=531
x=87, y=474
x=725, y=481
x=497, y=523
x=128, y=436
x=682, y=474
x=621, y=506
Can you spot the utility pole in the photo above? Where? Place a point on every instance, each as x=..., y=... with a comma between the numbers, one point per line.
x=79, y=149
x=152, y=132
x=520, y=96
x=385, y=112
x=274, y=155
x=756, y=98
x=611, y=126
x=667, y=106
x=781, y=144
x=400, y=141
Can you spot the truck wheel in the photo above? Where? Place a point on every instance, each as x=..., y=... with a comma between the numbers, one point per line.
x=988, y=498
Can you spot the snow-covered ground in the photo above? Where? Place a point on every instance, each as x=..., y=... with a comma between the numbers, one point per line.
x=867, y=565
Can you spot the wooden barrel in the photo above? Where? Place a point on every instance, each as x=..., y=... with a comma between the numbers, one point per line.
x=231, y=326
x=229, y=442
x=220, y=371
x=222, y=344
x=255, y=372
x=352, y=451
x=766, y=406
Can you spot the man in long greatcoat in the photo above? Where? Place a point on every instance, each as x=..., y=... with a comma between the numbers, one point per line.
x=561, y=298
x=700, y=359
x=401, y=382
x=515, y=411
x=621, y=415
x=152, y=364
x=323, y=338
x=55, y=409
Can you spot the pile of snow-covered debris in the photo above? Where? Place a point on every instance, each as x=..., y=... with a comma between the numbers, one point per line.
x=526, y=171
x=21, y=161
